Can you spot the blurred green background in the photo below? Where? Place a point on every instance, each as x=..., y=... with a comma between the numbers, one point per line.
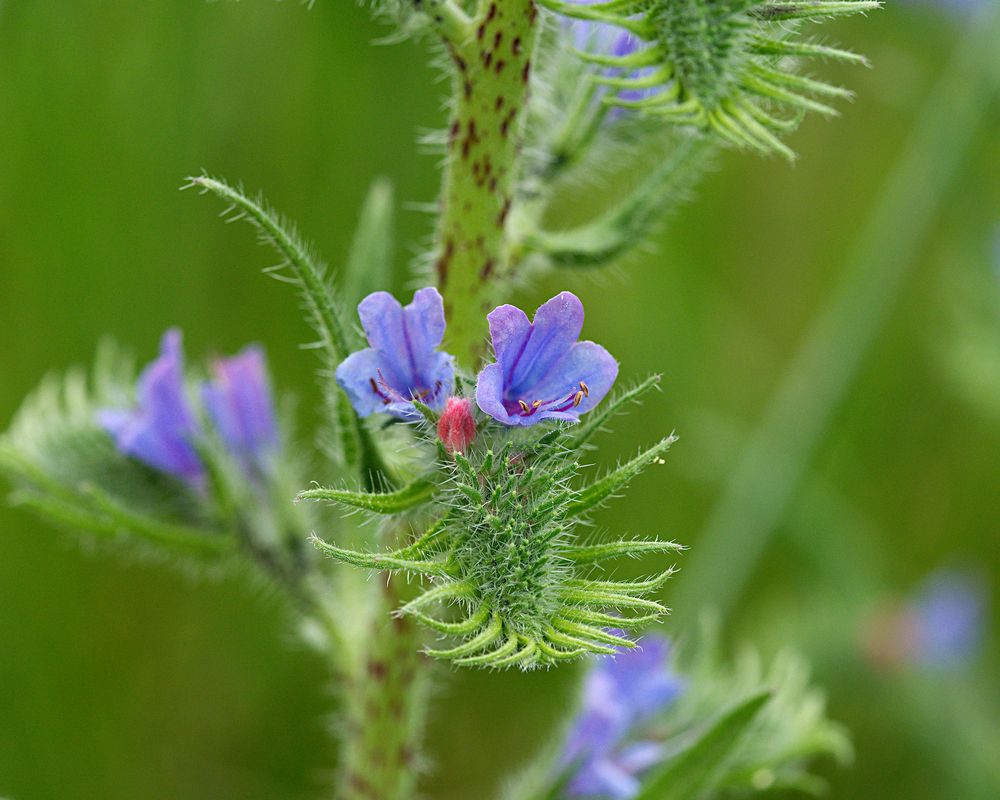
x=124, y=680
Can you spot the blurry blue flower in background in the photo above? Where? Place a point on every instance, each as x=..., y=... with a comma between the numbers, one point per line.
x=941, y=626
x=605, y=750
x=161, y=429
x=601, y=38
x=949, y=618
x=239, y=403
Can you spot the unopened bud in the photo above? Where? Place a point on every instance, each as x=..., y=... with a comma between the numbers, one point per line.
x=456, y=427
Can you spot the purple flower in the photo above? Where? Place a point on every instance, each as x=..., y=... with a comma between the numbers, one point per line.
x=605, y=750
x=602, y=38
x=541, y=370
x=948, y=619
x=239, y=404
x=403, y=363
x=160, y=430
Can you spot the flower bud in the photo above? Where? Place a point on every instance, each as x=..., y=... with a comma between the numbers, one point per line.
x=456, y=427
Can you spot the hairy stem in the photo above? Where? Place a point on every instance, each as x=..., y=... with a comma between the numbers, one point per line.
x=492, y=75
x=384, y=698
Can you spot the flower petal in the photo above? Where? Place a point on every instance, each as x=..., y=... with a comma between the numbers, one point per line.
x=405, y=337
x=489, y=394
x=160, y=430
x=556, y=326
x=509, y=330
x=238, y=401
x=160, y=389
x=585, y=363
x=355, y=374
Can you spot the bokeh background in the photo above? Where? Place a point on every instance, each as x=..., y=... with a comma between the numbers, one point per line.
x=123, y=680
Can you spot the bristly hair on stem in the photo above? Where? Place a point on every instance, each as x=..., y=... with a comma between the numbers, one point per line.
x=299, y=267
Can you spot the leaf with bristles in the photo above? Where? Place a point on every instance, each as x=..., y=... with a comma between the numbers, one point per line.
x=598, y=492
x=326, y=316
x=386, y=562
x=414, y=494
x=626, y=548
x=599, y=417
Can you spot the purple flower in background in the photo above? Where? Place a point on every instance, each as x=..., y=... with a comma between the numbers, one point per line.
x=601, y=38
x=619, y=694
x=160, y=430
x=541, y=370
x=948, y=619
x=403, y=363
x=239, y=404
x=942, y=626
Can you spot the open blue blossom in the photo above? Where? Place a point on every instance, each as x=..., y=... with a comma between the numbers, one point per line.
x=239, y=404
x=541, y=370
x=604, y=749
x=403, y=363
x=949, y=619
x=161, y=429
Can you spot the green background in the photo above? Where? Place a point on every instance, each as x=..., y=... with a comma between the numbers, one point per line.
x=132, y=680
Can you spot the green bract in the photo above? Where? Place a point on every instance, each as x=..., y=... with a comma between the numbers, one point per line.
x=722, y=66
x=508, y=575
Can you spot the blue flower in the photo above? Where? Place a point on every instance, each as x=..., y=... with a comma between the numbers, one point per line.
x=949, y=619
x=403, y=363
x=541, y=370
x=605, y=750
x=239, y=404
x=160, y=431
x=601, y=38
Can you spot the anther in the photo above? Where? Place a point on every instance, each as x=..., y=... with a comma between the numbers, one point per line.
x=524, y=407
x=585, y=389
x=578, y=399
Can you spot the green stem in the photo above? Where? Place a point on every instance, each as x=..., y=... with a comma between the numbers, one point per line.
x=769, y=473
x=492, y=75
x=384, y=697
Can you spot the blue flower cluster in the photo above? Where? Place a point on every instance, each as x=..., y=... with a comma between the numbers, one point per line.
x=163, y=430
x=541, y=371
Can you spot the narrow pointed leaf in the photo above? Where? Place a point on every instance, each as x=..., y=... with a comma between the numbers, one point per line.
x=410, y=496
x=690, y=774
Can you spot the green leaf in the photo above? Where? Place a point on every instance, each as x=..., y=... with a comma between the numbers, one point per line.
x=410, y=496
x=309, y=275
x=628, y=224
x=692, y=771
x=593, y=553
x=370, y=259
x=385, y=562
x=596, y=493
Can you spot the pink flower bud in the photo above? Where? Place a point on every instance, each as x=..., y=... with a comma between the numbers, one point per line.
x=456, y=427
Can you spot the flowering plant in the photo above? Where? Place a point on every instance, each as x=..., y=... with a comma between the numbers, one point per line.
x=471, y=459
